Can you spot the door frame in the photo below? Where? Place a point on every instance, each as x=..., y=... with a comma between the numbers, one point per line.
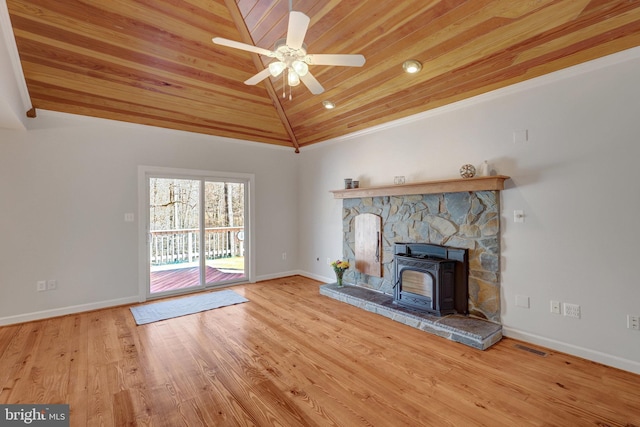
x=146, y=172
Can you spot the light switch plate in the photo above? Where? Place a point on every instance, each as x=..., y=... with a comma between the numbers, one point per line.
x=518, y=216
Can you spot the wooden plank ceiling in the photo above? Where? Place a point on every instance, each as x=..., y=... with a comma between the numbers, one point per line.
x=153, y=62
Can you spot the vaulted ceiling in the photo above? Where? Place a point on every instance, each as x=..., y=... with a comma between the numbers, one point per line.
x=152, y=61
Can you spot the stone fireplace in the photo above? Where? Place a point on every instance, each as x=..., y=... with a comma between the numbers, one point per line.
x=456, y=219
x=468, y=220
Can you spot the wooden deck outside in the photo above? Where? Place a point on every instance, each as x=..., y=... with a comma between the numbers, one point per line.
x=182, y=278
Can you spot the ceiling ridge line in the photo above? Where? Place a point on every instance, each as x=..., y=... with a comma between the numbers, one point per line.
x=246, y=37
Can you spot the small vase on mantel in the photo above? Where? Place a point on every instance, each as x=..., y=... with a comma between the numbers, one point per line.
x=484, y=170
x=339, y=277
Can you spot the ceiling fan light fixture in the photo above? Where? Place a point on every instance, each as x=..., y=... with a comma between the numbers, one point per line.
x=292, y=78
x=411, y=66
x=328, y=105
x=275, y=68
x=300, y=67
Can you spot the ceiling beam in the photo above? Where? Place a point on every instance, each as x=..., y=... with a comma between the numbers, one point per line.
x=246, y=38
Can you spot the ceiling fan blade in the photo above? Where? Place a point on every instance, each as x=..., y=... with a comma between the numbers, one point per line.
x=258, y=77
x=242, y=46
x=312, y=84
x=336, y=59
x=298, y=24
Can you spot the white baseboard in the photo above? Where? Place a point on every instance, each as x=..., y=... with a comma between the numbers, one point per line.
x=585, y=353
x=317, y=277
x=302, y=273
x=63, y=311
x=278, y=275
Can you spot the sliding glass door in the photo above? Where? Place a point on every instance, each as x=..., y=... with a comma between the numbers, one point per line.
x=174, y=231
x=223, y=245
x=196, y=232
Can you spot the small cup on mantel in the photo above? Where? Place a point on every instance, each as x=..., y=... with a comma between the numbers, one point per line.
x=355, y=184
x=348, y=183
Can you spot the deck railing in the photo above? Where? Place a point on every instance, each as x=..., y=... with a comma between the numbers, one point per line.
x=177, y=246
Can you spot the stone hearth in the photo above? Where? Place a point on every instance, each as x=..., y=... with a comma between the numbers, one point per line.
x=468, y=330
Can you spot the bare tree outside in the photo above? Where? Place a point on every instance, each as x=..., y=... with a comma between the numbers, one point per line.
x=224, y=204
x=174, y=204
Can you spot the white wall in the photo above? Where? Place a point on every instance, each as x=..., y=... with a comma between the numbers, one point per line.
x=576, y=180
x=66, y=184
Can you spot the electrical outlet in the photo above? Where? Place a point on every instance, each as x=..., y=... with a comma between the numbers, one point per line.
x=520, y=136
x=328, y=261
x=522, y=301
x=571, y=310
x=633, y=322
x=555, y=307
x=284, y=256
x=41, y=285
x=52, y=285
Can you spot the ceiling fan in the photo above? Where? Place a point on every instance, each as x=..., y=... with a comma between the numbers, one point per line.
x=291, y=57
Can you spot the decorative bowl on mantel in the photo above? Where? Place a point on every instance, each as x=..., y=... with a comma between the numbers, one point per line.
x=468, y=171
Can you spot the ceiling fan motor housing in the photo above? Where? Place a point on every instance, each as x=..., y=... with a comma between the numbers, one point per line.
x=294, y=60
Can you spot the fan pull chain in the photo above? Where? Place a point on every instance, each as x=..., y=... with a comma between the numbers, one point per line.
x=284, y=85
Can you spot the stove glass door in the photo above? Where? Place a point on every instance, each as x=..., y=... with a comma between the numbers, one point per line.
x=417, y=282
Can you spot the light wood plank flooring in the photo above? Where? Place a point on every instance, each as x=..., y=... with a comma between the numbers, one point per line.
x=291, y=357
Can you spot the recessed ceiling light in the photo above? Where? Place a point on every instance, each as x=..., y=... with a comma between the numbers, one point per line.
x=328, y=105
x=411, y=66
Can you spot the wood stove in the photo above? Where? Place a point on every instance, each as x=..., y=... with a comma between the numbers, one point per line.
x=431, y=278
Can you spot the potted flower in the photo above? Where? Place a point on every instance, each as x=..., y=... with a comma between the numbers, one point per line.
x=339, y=267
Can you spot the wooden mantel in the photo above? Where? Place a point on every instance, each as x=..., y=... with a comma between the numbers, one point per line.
x=482, y=183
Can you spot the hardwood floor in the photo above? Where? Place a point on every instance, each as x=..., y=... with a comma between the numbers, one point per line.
x=291, y=357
